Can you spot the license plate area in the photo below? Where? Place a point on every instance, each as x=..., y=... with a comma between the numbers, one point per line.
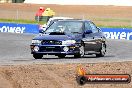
x=51, y=48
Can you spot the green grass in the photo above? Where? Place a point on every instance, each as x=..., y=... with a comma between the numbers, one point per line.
x=35, y=22
x=105, y=20
x=123, y=26
x=21, y=21
x=112, y=20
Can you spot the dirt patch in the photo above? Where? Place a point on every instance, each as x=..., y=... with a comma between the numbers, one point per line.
x=99, y=14
x=4, y=83
x=60, y=75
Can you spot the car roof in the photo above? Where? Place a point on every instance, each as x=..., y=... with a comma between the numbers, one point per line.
x=82, y=20
x=55, y=18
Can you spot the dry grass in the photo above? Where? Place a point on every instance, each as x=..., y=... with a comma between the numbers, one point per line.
x=101, y=15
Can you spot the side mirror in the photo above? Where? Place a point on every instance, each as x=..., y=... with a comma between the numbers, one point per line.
x=41, y=31
x=42, y=28
x=99, y=30
x=88, y=32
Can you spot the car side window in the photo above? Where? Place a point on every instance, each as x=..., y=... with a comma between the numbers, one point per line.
x=87, y=26
x=94, y=28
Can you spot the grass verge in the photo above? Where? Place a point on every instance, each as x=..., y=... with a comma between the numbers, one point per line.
x=21, y=21
x=99, y=25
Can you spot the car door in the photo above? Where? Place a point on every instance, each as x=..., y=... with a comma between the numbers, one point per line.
x=88, y=38
x=97, y=36
x=91, y=40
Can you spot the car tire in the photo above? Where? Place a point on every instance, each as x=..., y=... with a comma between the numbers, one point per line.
x=37, y=56
x=102, y=51
x=81, y=52
x=61, y=56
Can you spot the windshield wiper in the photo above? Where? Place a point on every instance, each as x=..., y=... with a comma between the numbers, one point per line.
x=57, y=33
x=77, y=32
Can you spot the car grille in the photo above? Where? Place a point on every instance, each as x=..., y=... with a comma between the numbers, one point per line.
x=50, y=49
x=51, y=42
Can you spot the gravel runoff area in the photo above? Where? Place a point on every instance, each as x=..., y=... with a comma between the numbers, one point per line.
x=59, y=75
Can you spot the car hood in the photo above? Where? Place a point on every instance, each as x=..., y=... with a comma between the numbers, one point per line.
x=58, y=37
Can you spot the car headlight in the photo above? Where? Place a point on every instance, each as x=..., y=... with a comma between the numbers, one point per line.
x=67, y=42
x=36, y=41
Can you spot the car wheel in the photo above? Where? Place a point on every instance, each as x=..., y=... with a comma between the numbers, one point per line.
x=81, y=52
x=37, y=56
x=102, y=51
x=61, y=56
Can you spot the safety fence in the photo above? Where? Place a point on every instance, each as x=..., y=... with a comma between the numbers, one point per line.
x=112, y=33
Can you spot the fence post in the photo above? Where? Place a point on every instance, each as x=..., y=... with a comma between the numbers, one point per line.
x=131, y=23
x=17, y=13
x=83, y=16
x=38, y=18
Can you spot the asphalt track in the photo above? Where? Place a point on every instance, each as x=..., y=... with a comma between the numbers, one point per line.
x=14, y=49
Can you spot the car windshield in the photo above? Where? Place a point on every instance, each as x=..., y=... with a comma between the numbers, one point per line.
x=65, y=27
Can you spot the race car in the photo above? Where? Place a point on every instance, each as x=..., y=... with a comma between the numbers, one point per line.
x=70, y=37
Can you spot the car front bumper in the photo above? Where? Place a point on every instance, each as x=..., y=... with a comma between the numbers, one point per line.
x=55, y=49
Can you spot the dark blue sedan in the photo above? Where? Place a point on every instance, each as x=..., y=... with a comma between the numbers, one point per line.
x=69, y=37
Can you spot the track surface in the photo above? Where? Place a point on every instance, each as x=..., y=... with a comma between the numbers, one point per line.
x=14, y=49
